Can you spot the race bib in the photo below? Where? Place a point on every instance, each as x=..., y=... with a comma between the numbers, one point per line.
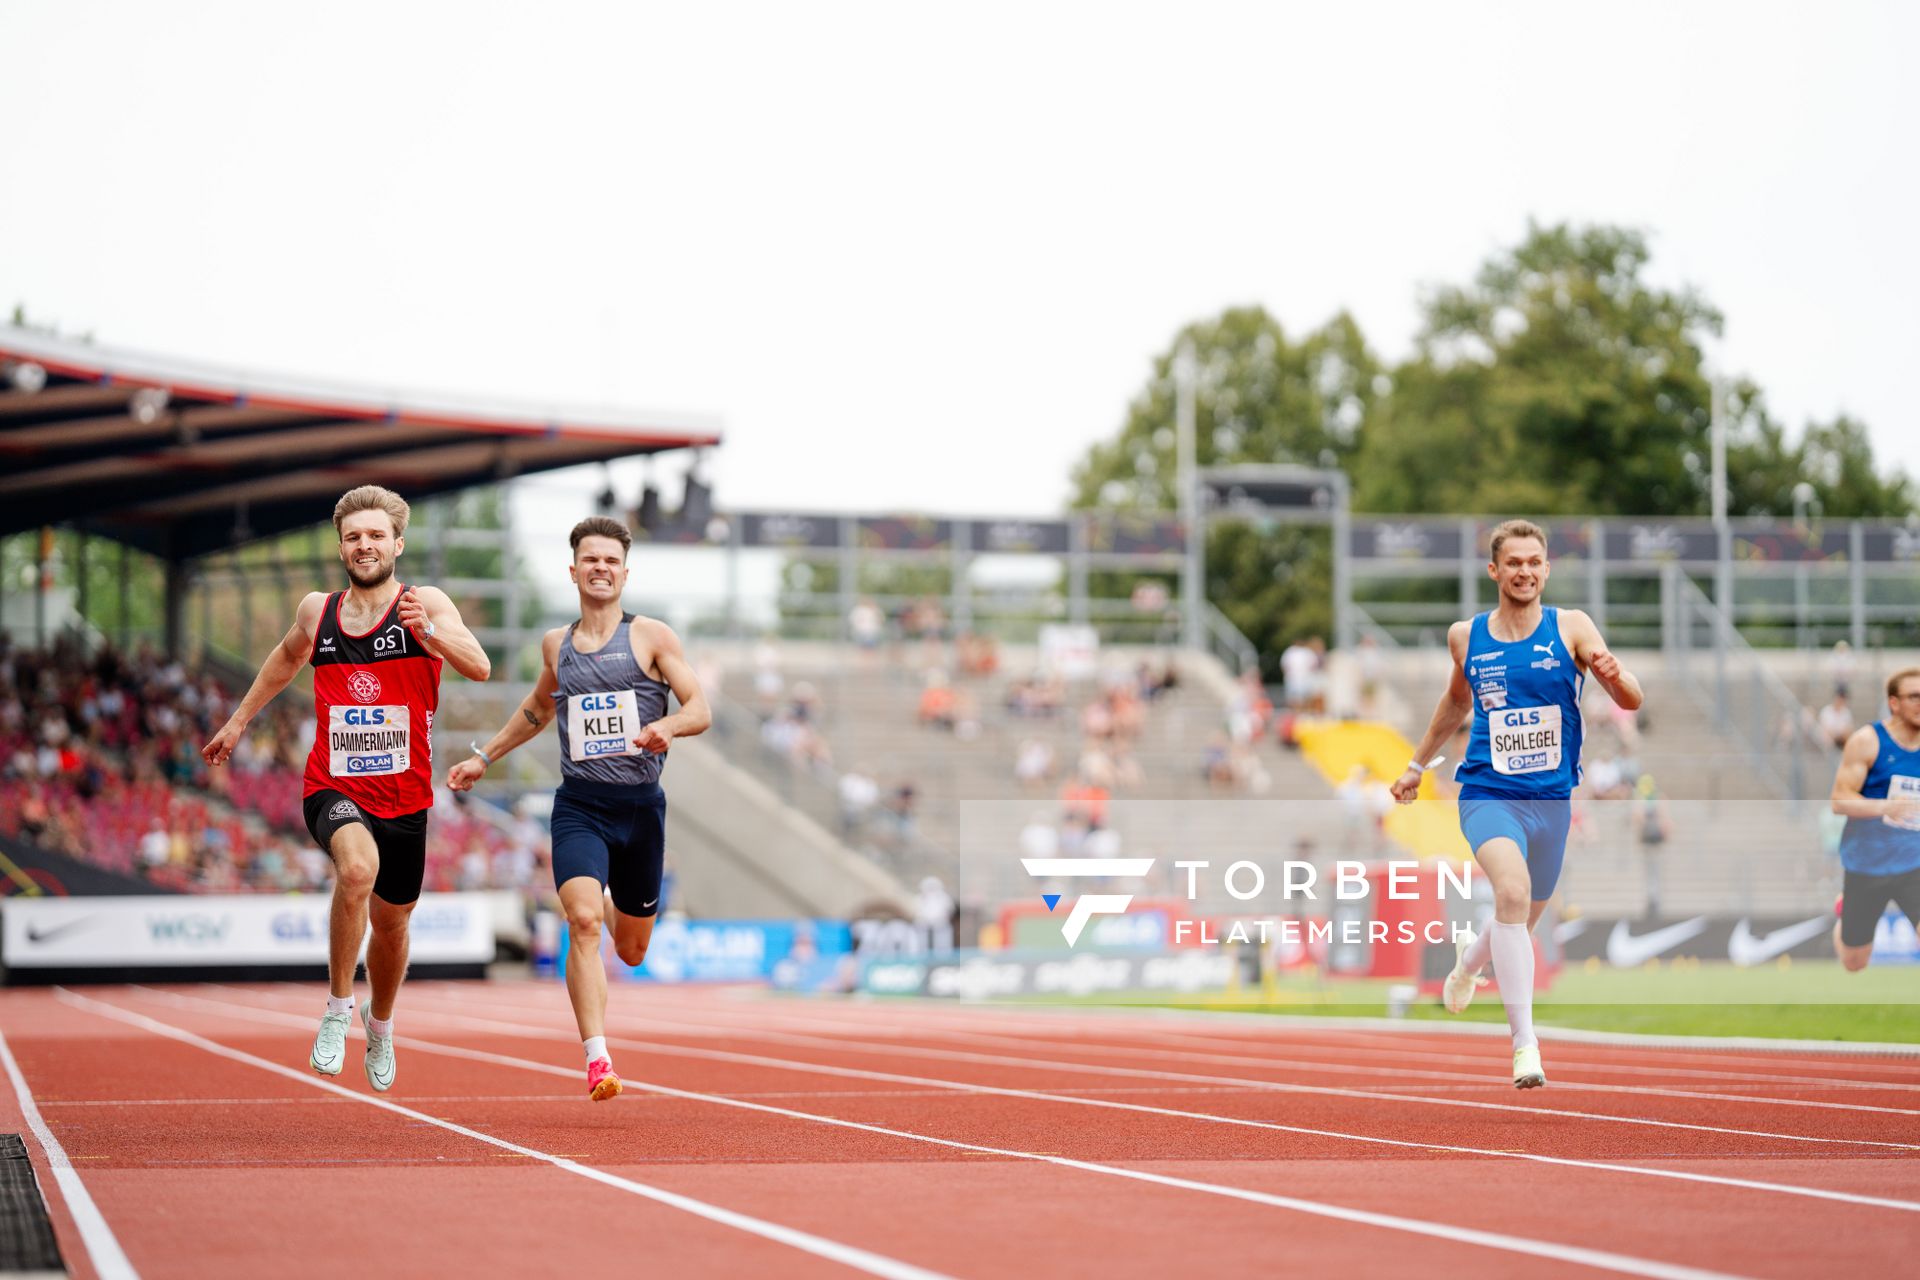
x=1524, y=739
x=602, y=724
x=367, y=741
x=1902, y=787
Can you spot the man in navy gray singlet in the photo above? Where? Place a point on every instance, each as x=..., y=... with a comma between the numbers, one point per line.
x=1877, y=790
x=605, y=679
x=1517, y=672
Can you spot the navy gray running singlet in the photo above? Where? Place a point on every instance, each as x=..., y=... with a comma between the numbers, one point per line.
x=605, y=699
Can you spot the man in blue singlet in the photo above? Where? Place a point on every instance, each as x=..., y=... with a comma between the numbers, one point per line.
x=606, y=679
x=1517, y=670
x=1877, y=790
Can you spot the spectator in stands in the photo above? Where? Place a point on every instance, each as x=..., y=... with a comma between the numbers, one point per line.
x=937, y=913
x=866, y=624
x=1087, y=800
x=900, y=809
x=976, y=655
x=1371, y=663
x=1156, y=678
x=938, y=705
x=768, y=683
x=1248, y=714
x=1841, y=667
x=1651, y=831
x=1216, y=763
x=858, y=794
x=1836, y=721
x=1033, y=764
x=1605, y=780
x=1096, y=720
x=1299, y=665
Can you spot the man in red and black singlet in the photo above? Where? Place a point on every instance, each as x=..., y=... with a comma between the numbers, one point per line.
x=376, y=650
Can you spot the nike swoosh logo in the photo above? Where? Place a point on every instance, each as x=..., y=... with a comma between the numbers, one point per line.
x=1624, y=951
x=645, y=905
x=37, y=934
x=1746, y=950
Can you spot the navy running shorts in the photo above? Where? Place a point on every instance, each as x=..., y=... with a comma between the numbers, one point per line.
x=616, y=833
x=1539, y=827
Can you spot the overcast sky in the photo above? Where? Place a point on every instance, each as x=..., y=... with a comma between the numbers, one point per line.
x=918, y=256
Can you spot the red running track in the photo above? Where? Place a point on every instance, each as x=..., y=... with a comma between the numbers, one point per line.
x=913, y=1139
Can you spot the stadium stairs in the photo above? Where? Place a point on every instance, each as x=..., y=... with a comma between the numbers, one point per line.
x=970, y=810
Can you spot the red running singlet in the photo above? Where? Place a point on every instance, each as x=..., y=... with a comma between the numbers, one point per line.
x=374, y=696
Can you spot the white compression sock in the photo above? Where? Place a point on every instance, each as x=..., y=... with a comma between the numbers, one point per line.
x=1479, y=951
x=1512, y=947
x=339, y=1004
x=596, y=1047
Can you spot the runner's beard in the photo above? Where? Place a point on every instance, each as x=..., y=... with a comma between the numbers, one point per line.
x=368, y=578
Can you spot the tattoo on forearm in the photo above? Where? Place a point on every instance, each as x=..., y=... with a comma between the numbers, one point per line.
x=532, y=719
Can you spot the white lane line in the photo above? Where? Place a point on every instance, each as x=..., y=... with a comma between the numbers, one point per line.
x=1275, y=1086
x=1294, y=1064
x=103, y=1248
x=806, y=1242
x=1572, y=1254
x=969, y=1025
x=253, y=1013
x=1025, y=1040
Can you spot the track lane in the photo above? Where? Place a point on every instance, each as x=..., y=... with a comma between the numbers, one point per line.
x=965, y=1118
x=1256, y=1233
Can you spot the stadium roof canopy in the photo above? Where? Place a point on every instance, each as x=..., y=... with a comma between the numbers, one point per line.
x=180, y=459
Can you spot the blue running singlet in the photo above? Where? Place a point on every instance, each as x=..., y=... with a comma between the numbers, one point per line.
x=1525, y=743
x=1880, y=846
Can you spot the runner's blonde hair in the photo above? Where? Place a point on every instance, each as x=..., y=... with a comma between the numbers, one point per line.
x=371, y=497
x=1516, y=529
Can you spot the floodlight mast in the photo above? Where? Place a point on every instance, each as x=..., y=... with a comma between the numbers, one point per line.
x=1187, y=477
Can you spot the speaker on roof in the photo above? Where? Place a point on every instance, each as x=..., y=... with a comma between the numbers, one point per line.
x=696, y=505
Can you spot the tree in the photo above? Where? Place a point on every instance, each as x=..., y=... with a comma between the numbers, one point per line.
x=1559, y=382
x=1259, y=398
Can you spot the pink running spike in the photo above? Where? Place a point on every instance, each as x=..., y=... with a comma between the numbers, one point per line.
x=601, y=1082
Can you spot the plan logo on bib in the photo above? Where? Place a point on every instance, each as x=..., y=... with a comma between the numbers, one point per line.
x=1087, y=905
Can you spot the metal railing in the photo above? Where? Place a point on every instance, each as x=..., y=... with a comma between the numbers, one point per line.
x=1226, y=642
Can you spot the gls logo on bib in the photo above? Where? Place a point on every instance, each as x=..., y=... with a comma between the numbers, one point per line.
x=1524, y=739
x=602, y=724
x=366, y=741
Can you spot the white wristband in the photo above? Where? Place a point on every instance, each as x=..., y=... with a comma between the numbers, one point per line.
x=485, y=759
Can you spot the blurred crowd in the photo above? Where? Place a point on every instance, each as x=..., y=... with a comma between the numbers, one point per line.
x=100, y=760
